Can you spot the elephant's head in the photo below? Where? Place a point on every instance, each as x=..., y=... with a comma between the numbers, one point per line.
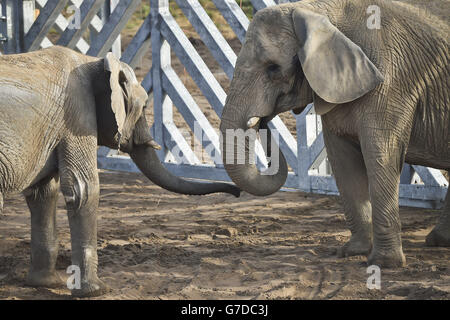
x=291, y=57
x=121, y=124
x=120, y=108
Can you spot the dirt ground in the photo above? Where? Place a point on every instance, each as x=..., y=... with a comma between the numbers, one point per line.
x=154, y=244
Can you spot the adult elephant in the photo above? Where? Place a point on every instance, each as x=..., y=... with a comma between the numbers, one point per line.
x=56, y=106
x=382, y=93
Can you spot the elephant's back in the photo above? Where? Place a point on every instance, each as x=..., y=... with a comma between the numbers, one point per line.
x=32, y=68
x=36, y=80
x=30, y=86
x=36, y=67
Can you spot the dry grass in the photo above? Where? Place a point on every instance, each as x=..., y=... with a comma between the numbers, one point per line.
x=144, y=9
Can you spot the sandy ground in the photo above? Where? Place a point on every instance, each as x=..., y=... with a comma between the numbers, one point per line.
x=154, y=244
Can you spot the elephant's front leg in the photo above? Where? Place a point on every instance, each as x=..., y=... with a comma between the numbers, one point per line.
x=384, y=157
x=80, y=187
x=440, y=235
x=350, y=173
x=41, y=200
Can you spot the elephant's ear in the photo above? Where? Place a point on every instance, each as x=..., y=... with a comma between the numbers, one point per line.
x=117, y=82
x=337, y=69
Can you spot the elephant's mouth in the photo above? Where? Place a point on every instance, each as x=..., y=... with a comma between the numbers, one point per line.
x=125, y=144
x=128, y=145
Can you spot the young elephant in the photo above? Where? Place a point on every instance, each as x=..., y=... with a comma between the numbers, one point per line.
x=56, y=106
x=383, y=94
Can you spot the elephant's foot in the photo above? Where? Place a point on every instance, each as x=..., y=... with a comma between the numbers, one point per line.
x=356, y=246
x=49, y=279
x=391, y=259
x=438, y=237
x=93, y=288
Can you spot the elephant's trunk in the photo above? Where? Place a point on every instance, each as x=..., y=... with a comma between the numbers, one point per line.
x=247, y=176
x=147, y=161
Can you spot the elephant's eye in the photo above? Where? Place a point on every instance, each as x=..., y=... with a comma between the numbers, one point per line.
x=274, y=71
x=273, y=68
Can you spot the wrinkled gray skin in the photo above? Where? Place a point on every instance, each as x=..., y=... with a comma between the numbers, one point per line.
x=56, y=106
x=383, y=96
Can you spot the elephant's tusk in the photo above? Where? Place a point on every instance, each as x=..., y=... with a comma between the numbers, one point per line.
x=253, y=121
x=153, y=144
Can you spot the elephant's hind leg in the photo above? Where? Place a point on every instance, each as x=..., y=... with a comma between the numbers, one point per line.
x=1, y=203
x=351, y=178
x=440, y=235
x=41, y=200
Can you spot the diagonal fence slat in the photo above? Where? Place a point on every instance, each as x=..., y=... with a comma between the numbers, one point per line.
x=72, y=35
x=234, y=16
x=286, y=142
x=430, y=176
x=261, y=4
x=96, y=22
x=139, y=45
x=193, y=63
x=43, y=23
x=60, y=25
x=208, y=32
x=191, y=112
x=111, y=30
x=178, y=146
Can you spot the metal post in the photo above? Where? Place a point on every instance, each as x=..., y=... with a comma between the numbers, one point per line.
x=16, y=18
x=407, y=174
x=29, y=7
x=10, y=8
x=3, y=27
x=160, y=58
x=117, y=45
x=105, y=12
x=94, y=28
x=304, y=180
